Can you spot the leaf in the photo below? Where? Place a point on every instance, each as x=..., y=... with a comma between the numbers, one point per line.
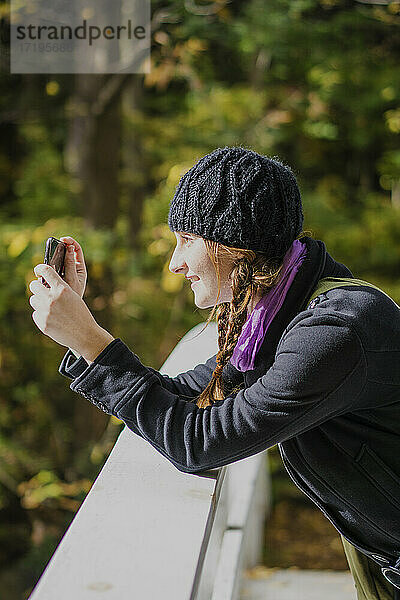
x=18, y=244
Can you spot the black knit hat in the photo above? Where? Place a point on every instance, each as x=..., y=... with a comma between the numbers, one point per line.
x=239, y=198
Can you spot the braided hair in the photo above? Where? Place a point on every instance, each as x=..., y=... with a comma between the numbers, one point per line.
x=251, y=273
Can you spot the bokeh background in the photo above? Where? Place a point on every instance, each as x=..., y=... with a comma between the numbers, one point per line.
x=314, y=82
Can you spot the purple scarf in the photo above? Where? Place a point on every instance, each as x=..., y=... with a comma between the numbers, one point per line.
x=261, y=317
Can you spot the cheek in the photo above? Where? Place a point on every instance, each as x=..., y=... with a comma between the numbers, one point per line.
x=199, y=266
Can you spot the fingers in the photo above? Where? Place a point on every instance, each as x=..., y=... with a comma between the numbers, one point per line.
x=34, y=301
x=67, y=239
x=39, y=292
x=36, y=287
x=49, y=274
x=70, y=256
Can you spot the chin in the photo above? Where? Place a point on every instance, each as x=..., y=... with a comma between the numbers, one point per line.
x=208, y=303
x=200, y=304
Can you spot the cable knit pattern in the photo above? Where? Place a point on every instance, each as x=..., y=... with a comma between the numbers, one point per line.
x=239, y=198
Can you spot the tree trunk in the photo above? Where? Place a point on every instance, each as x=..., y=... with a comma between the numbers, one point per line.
x=93, y=155
x=140, y=183
x=93, y=150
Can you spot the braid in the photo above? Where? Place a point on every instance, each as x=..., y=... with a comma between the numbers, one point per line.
x=230, y=320
x=251, y=272
x=214, y=389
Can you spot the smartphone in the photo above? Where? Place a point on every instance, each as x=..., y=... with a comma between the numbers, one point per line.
x=54, y=255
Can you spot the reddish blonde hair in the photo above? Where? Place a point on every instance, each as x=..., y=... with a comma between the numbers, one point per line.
x=252, y=272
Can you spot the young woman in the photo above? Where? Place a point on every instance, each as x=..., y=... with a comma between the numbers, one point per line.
x=313, y=369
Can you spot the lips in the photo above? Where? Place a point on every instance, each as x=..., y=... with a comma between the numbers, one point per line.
x=193, y=278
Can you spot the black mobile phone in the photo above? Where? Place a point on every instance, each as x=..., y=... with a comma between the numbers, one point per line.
x=54, y=255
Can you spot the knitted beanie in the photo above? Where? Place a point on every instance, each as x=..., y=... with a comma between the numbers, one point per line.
x=241, y=199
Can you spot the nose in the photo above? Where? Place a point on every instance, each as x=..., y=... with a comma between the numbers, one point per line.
x=177, y=264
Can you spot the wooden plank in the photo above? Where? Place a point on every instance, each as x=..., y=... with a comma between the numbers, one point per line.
x=138, y=533
x=229, y=574
x=191, y=350
x=145, y=529
x=296, y=584
x=211, y=550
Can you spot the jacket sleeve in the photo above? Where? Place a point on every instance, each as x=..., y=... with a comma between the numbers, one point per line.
x=187, y=385
x=317, y=374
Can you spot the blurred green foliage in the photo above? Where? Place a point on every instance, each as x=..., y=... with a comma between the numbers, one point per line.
x=313, y=82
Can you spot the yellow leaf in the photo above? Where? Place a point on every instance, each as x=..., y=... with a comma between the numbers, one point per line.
x=18, y=244
x=52, y=88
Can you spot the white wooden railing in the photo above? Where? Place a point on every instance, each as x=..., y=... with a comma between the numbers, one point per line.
x=149, y=531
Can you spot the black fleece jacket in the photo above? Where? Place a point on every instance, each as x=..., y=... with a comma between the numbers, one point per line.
x=325, y=388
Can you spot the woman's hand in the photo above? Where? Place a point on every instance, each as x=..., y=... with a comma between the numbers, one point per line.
x=75, y=269
x=61, y=314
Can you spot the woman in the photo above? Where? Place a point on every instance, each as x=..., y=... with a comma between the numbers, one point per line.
x=321, y=379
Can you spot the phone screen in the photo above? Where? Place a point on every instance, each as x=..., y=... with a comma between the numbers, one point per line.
x=54, y=255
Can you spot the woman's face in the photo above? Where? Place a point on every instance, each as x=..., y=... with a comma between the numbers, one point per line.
x=190, y=258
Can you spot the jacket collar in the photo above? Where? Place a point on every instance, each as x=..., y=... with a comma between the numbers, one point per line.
x=317, y=264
